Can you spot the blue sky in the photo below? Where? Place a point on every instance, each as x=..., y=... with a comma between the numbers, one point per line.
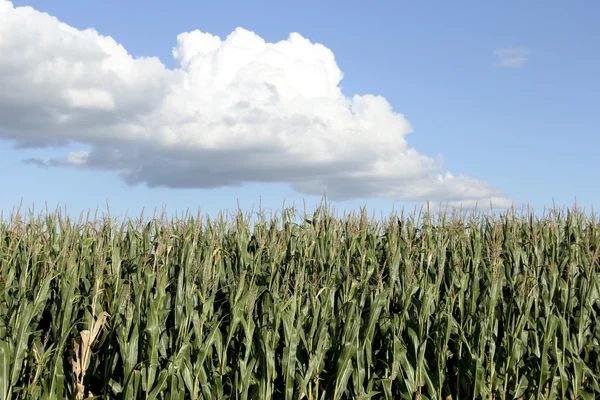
x=525, y=131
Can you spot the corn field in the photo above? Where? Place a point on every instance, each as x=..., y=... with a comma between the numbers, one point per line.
x=455, y=306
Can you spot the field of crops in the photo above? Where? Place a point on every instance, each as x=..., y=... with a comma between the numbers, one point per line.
x=301, y=307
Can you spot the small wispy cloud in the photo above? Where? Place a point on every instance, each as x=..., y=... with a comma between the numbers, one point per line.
x=512, y=57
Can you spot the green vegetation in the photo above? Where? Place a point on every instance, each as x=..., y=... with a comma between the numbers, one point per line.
x=460, y=307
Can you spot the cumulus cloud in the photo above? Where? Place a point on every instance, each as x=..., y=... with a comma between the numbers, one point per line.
x=514, y=57
x=232, y=111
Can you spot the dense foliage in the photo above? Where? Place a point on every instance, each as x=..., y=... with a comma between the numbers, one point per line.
x=318, y=308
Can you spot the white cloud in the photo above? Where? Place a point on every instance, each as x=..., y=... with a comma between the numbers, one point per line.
x=514, y=57
x=233, y=111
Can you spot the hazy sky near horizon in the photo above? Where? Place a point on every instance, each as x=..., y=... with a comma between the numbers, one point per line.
x=389, y=104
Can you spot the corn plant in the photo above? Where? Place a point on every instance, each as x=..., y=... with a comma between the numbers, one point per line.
x=310, y=306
